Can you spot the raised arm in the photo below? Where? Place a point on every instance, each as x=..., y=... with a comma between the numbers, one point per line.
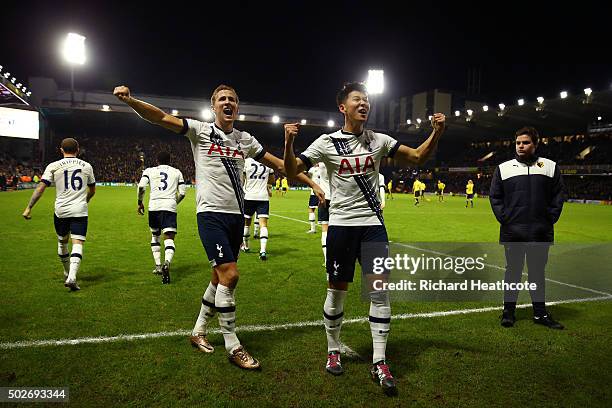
x=292, y=165
x=147, y=111
x=407, y=156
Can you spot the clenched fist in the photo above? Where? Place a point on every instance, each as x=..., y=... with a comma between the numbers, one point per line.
x=438, y=121
x=291, y=131
x=122, y=93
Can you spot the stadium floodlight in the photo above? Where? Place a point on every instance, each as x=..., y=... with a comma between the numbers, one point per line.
x=501, y=106
x=74, y=49
x=429, y=117
x=29, y=93
x=1, y=68
x=208, y=115
x=330, y=123
x=418, y=121
x=457, y=113
x=485, y=108
x=409, y=122
x=241, y=117
x=74, y=54
x=540, y=100
x=13, y=79
x=599, y=118
x=521, y=102
x=563, y=94
x=376, y=81
x=469, y=112
x=24, y=89
x=18, y=85
x=275, y=119
x=588, y=91
x=6, y=75
x=175, y=112
x=303, y=121
x=105, y=108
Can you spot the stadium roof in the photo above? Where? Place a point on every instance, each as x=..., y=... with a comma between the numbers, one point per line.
x=555, y=117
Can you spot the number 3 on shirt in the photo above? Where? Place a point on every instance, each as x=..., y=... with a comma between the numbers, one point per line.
x=163, y=180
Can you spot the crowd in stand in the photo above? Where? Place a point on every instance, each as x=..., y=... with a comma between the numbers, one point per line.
x=122, y=159
x=565, y=150
x=13, y=172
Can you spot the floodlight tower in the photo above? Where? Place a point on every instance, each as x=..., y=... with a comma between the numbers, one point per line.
x=74, y=54
x=375, y=86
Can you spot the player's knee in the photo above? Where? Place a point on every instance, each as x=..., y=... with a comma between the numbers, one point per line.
x=338, y=285
x=228, y=274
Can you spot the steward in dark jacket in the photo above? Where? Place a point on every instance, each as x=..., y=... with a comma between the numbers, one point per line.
x=527, y=198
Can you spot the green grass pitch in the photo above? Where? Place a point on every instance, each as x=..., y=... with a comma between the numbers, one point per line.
x=447, y=361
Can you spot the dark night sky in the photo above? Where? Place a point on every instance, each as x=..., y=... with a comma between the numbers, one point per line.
x=299, y=53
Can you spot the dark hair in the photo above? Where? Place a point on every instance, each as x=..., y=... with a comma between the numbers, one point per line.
x=70, y=145
x=220, y=88
x=347, y=88
x=163, y=158
x=529, y=131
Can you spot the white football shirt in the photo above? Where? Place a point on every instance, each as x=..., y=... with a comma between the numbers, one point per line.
x=219, y=163
x=165, y=182
x=71, y=177
x=320, y=176
x=256, y=180
x=352, y=163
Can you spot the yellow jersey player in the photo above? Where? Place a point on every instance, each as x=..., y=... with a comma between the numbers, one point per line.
x=441, y=187
x=416, y=189
x=469, y=194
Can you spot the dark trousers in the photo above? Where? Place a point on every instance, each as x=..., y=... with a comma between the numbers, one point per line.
x=536, y=254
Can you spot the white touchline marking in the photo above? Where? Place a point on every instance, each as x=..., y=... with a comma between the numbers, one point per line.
x=490, y=265
x=270, y=327
x=289, y=218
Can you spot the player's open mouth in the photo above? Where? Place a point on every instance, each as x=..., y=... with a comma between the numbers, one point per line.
x=363, y=111
x=227, y=110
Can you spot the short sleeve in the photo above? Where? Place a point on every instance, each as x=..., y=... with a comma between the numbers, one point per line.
x=255, y=149
x=181, y=183
x=91, y=179
x=47, y=176
x=144, y=180
x=192, y=128
x=389, y=145
x=314, y=153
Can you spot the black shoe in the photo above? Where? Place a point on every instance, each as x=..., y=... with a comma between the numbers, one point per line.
x=380, y=373
x=166, y=273
x=508, y=318
x=548, y=321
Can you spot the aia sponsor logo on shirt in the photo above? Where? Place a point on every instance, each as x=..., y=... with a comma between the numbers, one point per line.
x=224, y=151
x=356, y=165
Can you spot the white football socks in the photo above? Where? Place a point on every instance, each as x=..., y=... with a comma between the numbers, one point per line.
x=380, y=322
x=333, y=312
x=75, y=261
x=226, y=307
x=207, y=310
